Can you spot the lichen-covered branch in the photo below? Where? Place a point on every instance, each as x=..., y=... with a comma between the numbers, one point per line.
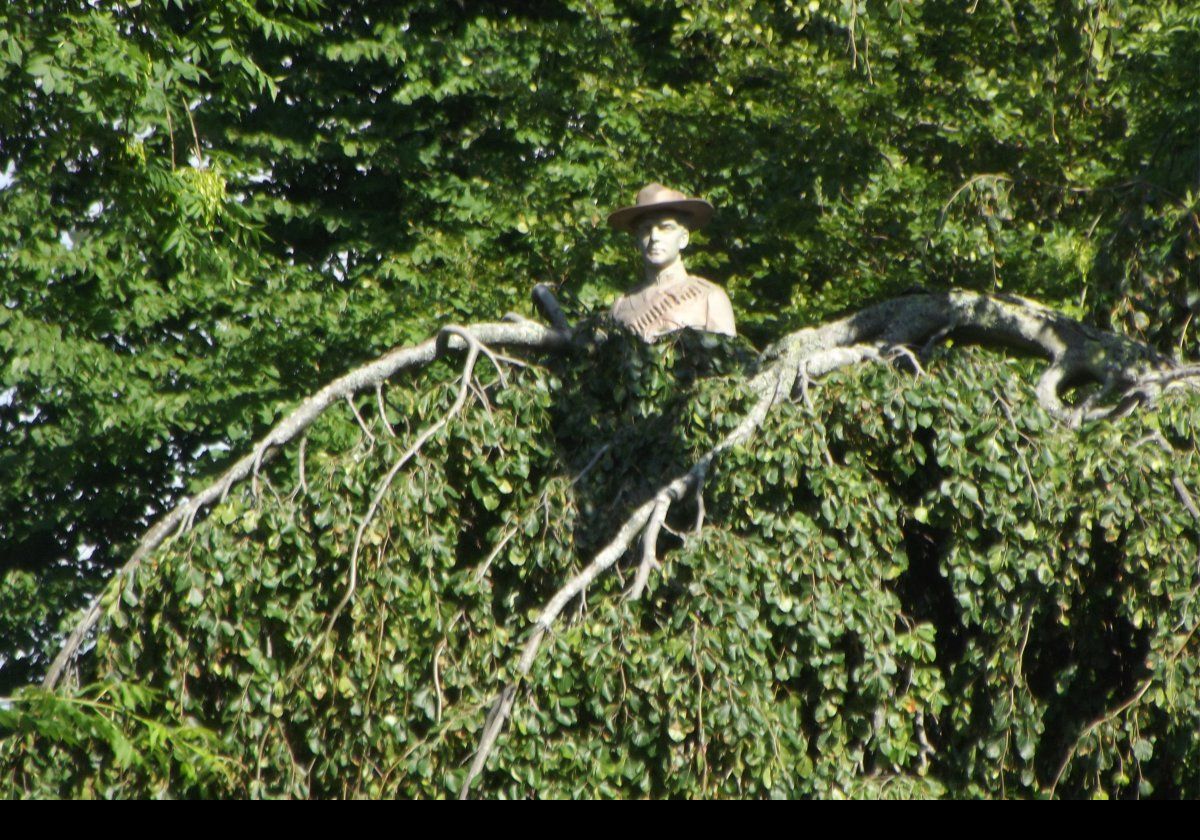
x=773, y=386
x=178, y=520
x=474, y=348
x=1126, y=370
x=1127, y=374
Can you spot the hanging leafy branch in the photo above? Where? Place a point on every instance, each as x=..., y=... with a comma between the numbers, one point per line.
x=181, y=518
x=1121, y=374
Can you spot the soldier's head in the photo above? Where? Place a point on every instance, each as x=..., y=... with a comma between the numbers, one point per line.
x=661, y=235
x=661, y=220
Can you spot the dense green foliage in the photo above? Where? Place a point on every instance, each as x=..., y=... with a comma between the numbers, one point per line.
x=210, y=208
x=914, y=559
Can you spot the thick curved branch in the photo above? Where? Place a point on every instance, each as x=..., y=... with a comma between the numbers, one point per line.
x=178, y=520
x=474, y=348
x=773, y=386
x=1073, y=350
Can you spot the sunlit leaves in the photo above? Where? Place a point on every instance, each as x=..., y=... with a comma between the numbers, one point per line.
x=916, y=586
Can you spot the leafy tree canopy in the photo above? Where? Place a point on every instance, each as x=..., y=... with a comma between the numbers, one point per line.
x=209, y=209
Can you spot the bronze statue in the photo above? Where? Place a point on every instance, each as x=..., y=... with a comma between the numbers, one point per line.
x=669, y=299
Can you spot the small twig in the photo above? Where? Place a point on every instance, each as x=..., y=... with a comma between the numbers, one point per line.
x=934, y=339
x=361, y=423
x=924, y=750
x=262, y=744
x=591, y=463
x=1180, y=488
x=867, y=56
x=259, y=451
x=701, y=740
x=805, y=381
x=512, y=532
x=437, y=682
x=970, y=182
x=649, y=547
x=493, y=554
x=298, y=771
x=383, y=409
x=851, y=35
x=478, y=347
x=170, y=134
x=274, y=492
x=185, y=523
x=200, y=162
x=300, y=459
x=473, y=346
x=1004, y=406
x=225, y=485
x=1091, y=727
x=481, y=394
x=674, y=532
x=509, y=360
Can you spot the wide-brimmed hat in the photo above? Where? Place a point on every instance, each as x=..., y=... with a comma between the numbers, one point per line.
x=655, y=198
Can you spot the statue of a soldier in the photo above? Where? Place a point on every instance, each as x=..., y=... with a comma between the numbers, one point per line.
x=669, y=298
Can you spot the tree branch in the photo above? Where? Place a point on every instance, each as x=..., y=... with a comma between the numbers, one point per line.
x=662, y=504
x=1074, y=350
x=773, y=386
x=474, y=348
x=178, y=520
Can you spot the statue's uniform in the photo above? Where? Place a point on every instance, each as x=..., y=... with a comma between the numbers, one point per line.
x=661, y=308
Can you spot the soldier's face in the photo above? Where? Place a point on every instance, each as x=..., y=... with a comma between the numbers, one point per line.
x=661, y=237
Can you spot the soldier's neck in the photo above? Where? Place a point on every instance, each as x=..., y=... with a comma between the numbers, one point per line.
x=665, y=275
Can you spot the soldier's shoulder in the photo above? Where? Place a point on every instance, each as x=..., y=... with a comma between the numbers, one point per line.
x=705, y=282
x=707, y=285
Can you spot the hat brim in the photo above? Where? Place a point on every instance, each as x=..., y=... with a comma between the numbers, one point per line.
x=696, y=212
